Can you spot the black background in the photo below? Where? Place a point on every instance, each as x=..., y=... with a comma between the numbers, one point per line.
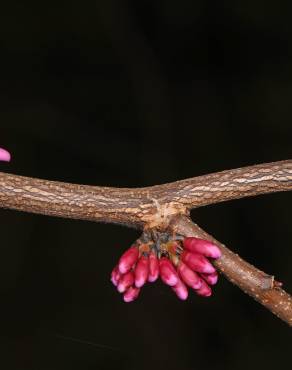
x=132, y=94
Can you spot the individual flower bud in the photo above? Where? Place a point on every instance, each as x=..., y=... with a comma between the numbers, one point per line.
x=211, y=279
x=205, y=290
x=167, y=272
x=141, y=271
x=180, y=290
x=190, y=277
x=125, y=281
x=131, y=294
x=202, y=246
x=197, y=262
x=4, y=155
x=115, y=276
x=153, y=267
x=128, y=259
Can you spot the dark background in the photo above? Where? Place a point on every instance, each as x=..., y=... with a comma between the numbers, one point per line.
x=132, y=94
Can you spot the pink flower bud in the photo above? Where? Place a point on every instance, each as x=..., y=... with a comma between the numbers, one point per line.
x=131, y=294
x=190, y=277
x=205, y=290
x=153, y=267
x=197, y=262
x=128, y=259
x=202, y=246
x=115, y=276
x=141, y=271
x=125, y=281
x=180, y=290
x=211, y=279
x=4, y=155
x=167, y=272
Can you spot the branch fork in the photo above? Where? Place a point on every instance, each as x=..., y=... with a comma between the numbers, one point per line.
x=164, y=208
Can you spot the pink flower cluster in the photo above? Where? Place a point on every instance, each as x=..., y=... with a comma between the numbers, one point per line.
x=180, y=265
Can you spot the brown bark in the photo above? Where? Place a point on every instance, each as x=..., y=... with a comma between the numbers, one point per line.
x=140, y=207
x=163, y=207
x=262, y=287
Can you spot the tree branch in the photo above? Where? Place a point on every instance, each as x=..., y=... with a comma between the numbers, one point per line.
x=262, y=287
x=163, y=207
x=140, y=207
x=234, y=184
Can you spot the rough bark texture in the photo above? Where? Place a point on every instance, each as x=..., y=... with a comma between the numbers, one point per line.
x=149, y=206
x=162, y=207
x=262, y=287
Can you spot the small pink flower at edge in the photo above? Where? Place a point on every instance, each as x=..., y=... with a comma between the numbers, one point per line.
x=5, y=155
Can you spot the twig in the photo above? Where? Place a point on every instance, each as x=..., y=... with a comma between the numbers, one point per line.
x=163, y=207
x=140, y=207
x=262, y=287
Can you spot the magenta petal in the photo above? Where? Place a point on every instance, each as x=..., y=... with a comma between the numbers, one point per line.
x=197, y=262
x=202, y=246
x=4, y=155
x=190, y=277
x=128, y=259
x=211, y=279
x=205, y=290
x=141, y=271
x=131, y=294
x=153, y=267
x=115, y=276
x=180, y=290
x=125, y=281
x=167, y=272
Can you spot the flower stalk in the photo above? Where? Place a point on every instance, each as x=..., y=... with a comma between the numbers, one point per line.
x=164, y=209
